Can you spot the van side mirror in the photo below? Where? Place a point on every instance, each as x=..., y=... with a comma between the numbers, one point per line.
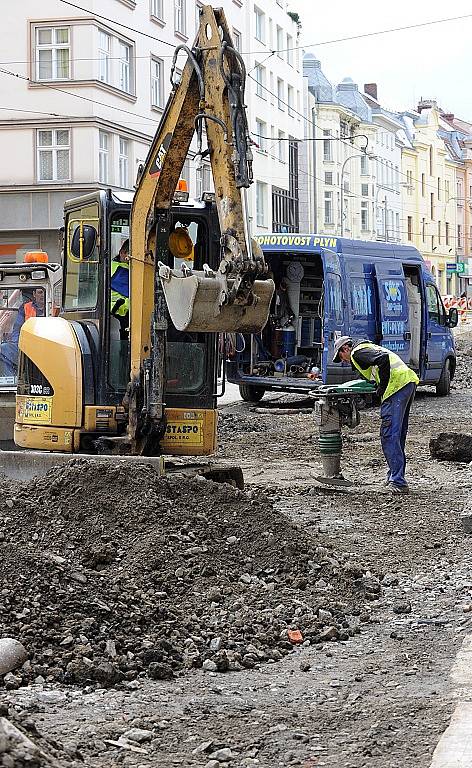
x=452, y=317
x=83, y=242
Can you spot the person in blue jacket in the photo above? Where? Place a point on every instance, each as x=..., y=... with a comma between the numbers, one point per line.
x=119, y=301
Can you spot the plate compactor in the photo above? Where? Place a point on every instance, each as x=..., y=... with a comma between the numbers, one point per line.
x=337, y=406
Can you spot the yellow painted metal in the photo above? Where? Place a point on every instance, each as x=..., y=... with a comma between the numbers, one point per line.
x=50, y=343
x=99, y=418
x=190, y=432
x=46, y=438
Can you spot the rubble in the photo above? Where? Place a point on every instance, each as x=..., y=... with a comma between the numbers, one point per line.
x=451, y=446
x=173, y=575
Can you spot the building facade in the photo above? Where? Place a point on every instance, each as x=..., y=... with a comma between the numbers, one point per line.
x=85, y=92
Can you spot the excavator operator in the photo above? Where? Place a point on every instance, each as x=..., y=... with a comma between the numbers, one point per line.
x=120, y=289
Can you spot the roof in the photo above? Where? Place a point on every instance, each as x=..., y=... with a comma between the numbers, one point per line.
x=318, y=83
x=347, y=94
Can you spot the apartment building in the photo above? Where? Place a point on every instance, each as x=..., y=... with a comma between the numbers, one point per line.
x=84, y=89
x=275, y=109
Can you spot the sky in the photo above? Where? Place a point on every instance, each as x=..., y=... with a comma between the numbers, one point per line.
x=432, y=62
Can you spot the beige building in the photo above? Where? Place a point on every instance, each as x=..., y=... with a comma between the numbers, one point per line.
x=430, y=214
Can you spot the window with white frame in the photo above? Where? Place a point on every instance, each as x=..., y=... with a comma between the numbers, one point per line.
x=327, y=151
x=329, y=178
x=52, y=53
x=261, y=134
x=290, y=99
x=365, y=190
x=280, y=94
x=123, y=162
x=364, y=165
x=203, y=179
x=157, y=9
x=104, y=53
x=328, y=208
x=157, y=85
x=261, y=203
x=179, y=16
x=237, y=39
x=280, y=42
x=364, y=215
x=103, y=156
x=259, y=23
x=290, y=50
x=259, y=73
x=53, y=147
x=281, y=143
x=125, y=66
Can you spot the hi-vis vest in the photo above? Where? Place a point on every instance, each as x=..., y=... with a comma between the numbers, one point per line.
x=116, y=296
x=400, y=373
x=30, y=310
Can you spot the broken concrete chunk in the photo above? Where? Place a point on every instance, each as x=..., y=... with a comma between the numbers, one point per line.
x=451, y=446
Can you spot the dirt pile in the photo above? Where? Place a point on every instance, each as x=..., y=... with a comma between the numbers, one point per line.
x=106, y=575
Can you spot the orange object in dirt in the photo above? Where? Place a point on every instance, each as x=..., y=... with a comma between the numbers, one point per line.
x=36, y=257
x=295, y=636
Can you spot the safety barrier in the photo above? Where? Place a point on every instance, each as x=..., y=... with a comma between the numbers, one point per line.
x=462, y=303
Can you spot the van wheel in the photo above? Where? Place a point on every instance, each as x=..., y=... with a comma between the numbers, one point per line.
x=251, y=394
x=443, y=387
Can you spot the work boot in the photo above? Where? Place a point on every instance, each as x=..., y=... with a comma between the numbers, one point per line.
x=398, y=488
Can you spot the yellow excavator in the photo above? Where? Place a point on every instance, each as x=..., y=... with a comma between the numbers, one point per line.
x=86, y=384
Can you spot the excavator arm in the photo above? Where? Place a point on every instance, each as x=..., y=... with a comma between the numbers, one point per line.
x=210, y=95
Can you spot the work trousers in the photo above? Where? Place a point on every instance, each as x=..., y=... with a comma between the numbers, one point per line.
x=394, y=413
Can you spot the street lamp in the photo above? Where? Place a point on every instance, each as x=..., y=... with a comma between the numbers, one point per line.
x=351, y=157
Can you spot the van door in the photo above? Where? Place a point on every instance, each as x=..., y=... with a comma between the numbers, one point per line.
x=435, y=333
x=393, y=308
x=363, y=313
x=333, y=318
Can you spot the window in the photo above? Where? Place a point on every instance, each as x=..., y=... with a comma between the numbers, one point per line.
x=81, y=278
x=409, y=181
x=52, y=53
x=423, y=229
x=280, y=94
x=157, y=9
x=431, y=161
x=261, y=134
x=237, y=39
x=328, y=208
x=328, y=177
x=423, y=184
x=260, y=80
x=343, y=129
x=364, y=215
x=104, y=140
x=447, y=233
x=431, y=206
x=459, y=235
x=179, y=16
x=327, y=156
x=104, y=47
x=459, y=193
x=259, y=22
x=281, y=143
x=446, y=189
x=290, y=50
x=439, y=188
x=435, y=306
x=410, y=228
x=365, y=190
x=280, y=42
x=203, y=179
x=157, y=91
x=53, y=155
x=439, y=233
x=261, y=204
x=290, y=100
x=123, y=163
x=125, y=64
x=397, y=225
x=397, y=178
x=364, y=165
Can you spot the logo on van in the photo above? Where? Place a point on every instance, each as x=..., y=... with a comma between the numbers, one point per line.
x=393, y=291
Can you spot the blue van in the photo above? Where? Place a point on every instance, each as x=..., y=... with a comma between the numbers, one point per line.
x=327, y=287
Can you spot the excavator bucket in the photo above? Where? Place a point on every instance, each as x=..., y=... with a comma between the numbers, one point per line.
x=195, y=303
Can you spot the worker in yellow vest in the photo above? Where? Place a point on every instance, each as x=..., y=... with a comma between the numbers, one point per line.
x=119, y=300
x=396, y=387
